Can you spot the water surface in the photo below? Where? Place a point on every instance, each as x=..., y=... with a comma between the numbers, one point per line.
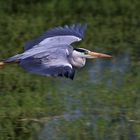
x=101, y=98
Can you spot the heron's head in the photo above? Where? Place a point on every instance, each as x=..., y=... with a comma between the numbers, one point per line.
x=88, y=54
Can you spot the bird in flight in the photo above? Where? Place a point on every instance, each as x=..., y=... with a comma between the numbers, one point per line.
x=52, y=54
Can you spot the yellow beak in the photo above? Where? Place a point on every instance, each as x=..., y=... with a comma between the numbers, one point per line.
x=99, y=55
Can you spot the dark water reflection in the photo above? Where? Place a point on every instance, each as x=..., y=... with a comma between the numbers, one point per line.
x=100, y=72
x=50, y=132
x=104, y=71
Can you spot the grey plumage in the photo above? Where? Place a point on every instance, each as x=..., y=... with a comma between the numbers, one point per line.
x=51, y=53
x=53, y=62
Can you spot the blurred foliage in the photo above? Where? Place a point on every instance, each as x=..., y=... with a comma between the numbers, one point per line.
x=109, y=113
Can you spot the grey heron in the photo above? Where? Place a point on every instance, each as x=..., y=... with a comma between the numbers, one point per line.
x=52, y=54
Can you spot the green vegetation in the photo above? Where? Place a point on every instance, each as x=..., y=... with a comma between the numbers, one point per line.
x=109, y=107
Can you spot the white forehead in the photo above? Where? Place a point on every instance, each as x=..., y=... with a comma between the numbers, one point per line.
x=83, y=49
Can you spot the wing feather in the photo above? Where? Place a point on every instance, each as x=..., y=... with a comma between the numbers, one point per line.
x=49, y=63
x=58, y=35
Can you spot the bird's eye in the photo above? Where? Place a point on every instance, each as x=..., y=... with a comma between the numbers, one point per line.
x=86, y=52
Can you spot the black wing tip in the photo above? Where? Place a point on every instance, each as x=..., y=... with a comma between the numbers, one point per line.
x=67, y=72
x=78, y=28
x=72, y=74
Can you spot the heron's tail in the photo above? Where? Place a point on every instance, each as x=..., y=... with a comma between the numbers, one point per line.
x=10, y=60
x=2, y=63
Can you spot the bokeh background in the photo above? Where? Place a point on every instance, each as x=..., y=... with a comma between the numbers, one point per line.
x=102, y=102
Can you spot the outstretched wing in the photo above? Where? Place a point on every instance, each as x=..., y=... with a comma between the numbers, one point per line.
x=54, y=63
x=57, y=36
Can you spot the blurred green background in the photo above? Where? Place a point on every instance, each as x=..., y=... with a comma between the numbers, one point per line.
x=103, y=101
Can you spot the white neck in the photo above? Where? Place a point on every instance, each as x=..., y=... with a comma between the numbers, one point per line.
x=77, y=60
